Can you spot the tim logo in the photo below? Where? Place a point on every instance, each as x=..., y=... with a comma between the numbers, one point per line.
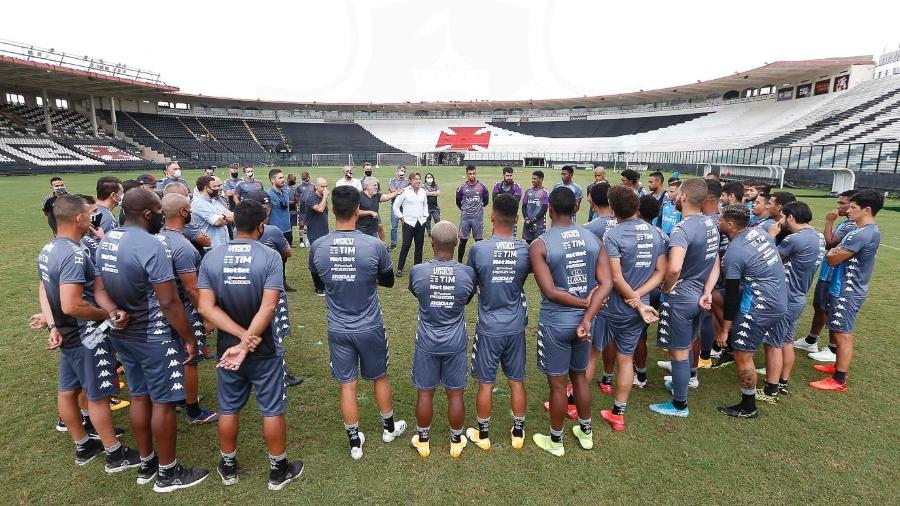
x=464, y=138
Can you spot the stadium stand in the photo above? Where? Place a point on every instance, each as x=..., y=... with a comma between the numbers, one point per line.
x=615, y=127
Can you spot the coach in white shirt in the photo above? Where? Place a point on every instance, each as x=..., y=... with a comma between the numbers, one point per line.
x=412, y=209
x=348, y=179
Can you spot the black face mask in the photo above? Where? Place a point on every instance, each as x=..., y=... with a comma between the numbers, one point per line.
x=187, y=219
x=213, y=194
x=234, y=174
x=156, y=222
x=368, y=172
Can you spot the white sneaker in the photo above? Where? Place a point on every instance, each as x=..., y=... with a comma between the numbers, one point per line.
x=399, y=429
x=357, y=452
x=692, y=383
x=761, y=370
x=801, y=344
x=825, y=355
x=301, y=245
x=665, y=364
x=638, y=383
x=715, y=354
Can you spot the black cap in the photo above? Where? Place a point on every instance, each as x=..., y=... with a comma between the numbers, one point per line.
x=146, y=179
x=258, y=196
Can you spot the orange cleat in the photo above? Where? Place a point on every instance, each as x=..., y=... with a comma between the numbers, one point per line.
x=829, y=383
x=606, y=388
x=617, y=422
x=571, y=410
x=826, y=368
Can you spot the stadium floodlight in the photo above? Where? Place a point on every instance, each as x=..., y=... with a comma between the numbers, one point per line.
x=397, y=159
x=331, y=159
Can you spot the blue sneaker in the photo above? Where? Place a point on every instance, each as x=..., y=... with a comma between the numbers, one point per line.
x=204, y=416
x=669, y=409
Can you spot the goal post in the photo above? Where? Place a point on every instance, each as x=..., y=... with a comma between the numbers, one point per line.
x=397, y=159
x=331, y=159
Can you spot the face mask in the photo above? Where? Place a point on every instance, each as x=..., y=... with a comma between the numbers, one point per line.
x=234, y=174
x=156, y=223
x=187, y=219
x=348, y=175
x=176, y=173
x=429, y=180
x=60, y=190
x=292, y=182
x=368, y=172
x=213, y=194
x=249, y=174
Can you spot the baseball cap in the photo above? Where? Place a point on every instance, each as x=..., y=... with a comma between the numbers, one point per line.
x=146, y=179
x=258, y=196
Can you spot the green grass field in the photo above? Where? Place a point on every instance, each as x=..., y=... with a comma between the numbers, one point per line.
x=814, y=447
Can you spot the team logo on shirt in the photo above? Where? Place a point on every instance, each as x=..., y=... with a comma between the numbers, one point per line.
x=105, y=384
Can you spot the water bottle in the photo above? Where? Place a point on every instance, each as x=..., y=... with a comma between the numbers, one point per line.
x=94, y=337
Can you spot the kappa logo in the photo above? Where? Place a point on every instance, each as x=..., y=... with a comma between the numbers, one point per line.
x=838, y=314
x=760, y=306
x=173, y=363
x=835, y=322
x=177, y=386
x=663, y=340
x=840, y=306
x=465, y=138
x=664, y=323
x=748, y=317
x=741, y=342
x=663, y=332
x=175, y=374
x=105, y=384
x=540, y=352
x=743, y=334
x=664, y=313
x=745, y=325
x=104, y=373
x=102, y=362
x=159, y=332
x=102, y=351
x=171, y=351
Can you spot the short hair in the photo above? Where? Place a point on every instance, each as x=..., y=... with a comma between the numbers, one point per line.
x=248, y=214
x=782, y=198
x=273, y=173
x=106, y=186
x=507, y=170
x=713, y=188
x=67, y=207
x=673, y=181
x=344, y=201
x=129, y=184
x=369, y=164
x=562, y=200
x=764, y=195
x=55, y=179
x=538, y=173
x=88, y=198
x=568, y=168
x=443, y=235
x=469, y=168
x=763, y=188
x=848, y=193
x=734, y=188
x=750, y=182
x=868, y=198
x=176, y=188
x=657, y=175
x=623, y=201
x=248, y=166
x=170, y=164
x=599, y=193
x=234, y=166
x=695, y=191
x=649, y=207
x=506, y=207
x=737, y=214
x=203, y=182
x=631, y=175
x=173, y=203
x=138, y=200
x=799, y=210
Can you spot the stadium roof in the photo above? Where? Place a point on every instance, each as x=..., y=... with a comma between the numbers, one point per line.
x=25, y=75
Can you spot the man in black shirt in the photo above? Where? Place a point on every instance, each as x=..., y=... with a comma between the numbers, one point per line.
x=369, y=201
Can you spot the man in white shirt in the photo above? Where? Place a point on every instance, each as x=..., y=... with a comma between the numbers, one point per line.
x=412, y=209
x=348, y=179
x=211, y=215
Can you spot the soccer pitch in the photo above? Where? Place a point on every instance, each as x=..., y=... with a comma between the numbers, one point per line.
x=813, y=447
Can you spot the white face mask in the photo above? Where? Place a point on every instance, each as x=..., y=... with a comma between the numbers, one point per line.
x=249, y=174
x=429, y=180
x=176, y=173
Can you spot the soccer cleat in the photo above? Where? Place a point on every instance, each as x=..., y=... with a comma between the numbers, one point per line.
x=399, y=429
x=122, y=459
x=571, y=410
x=457, y=448
x=605, y=388
x=181, y=405
x=472, y=434
x=320, y=293
x=783, y=389
x=517, y=442
x=92, y=432
x=830, y=384
x=399, y=273
x=715, y=354
x=725, y=359
x=228, y=471
x=761, y=395
x=665, y=364
x=737, y=411
x=179, y=478
x=638, y=383
x=356, y=452
x=88, y=452
x=801, y=344
x=147, y=470
x=694, y=382
x=617, y=422
x=669, y=409
x=204, y=416
x=704, y=363
x=544, y=442
x=826, y=368
x=586, y=441
x=570, y=390
x=292, y=381
x=60, y=426
x=283, y=473
x=424, y=447
x=116, y=403
x=825, y=355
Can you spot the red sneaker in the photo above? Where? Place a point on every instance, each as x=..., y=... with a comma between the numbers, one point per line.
x=829, y=383
x=617, y=422
x=826, y=368
x=606, y=388
x=570, y=390
x=571, y=410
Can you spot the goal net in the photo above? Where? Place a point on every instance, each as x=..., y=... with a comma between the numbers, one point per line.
x=331, y=159
x=397, y=159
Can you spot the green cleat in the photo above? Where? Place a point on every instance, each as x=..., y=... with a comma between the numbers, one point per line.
x=544, y=442
x=585, y=440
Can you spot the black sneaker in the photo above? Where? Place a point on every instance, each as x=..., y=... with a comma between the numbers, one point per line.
x=88, y=452
x=181, y=405
x=726, y=358
x=147, y=470
x=92, y=432
x=292, y=381
x=399, y=273
x=122, y=459
x=738, y=411
x=60, y=426
x=228, y=471
x=179, y=478
x=393, y=247
x=284, y=472
x=783, y=389
x=320, y=293
x=288, y=288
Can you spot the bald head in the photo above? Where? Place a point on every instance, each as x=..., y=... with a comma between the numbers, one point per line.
x=443, y=238
x=176, y=188
x=173, y=203
x=138, y=200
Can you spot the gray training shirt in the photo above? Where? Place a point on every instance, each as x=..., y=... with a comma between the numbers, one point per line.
x=131, y=261
x=185, y=258
x=802, y=254
x=600, y=225
x=443, y=288
x=638, y=245
x=239, y=273
x=572, y=253
x=752, y=259
x=349, y=264
x=501, y=267
x=60, y=262
x=698, y=235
